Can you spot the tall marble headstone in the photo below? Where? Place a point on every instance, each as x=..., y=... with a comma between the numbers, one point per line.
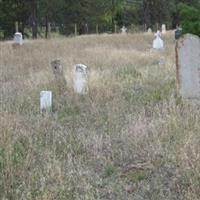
x=164, y=30
x=18, y=39
x=80, y=78
x=188, y=66
x=45, y=101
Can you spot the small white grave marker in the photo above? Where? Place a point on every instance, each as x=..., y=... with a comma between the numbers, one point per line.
x=80, y=79
x=188, y=66
x=164, y=30
x=123, y=30
x=18, y=39
x=149, y=30
x=158, y=42
x=45, y=101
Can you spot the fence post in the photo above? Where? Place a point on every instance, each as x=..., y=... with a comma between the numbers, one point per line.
x=97, y=29
x=49, y=30
x=86, y=28
x=115, y=27
x=75, y=29
x=157, y=26
x=145, y=28
x=16, y=27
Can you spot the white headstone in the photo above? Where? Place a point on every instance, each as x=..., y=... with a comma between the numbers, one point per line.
x=188, y=66
x=45, y=101
x=149, y=30
x=164, y=30
x=18, y=39
x=158, y=42
x=80, y=79
x=123, y=30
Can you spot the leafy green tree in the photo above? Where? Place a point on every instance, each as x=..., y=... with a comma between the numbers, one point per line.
x=189, y=18
x=10, y=12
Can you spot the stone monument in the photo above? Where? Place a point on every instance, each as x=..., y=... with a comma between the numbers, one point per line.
x=45, y=101
x=188, y=66
x=80, y=79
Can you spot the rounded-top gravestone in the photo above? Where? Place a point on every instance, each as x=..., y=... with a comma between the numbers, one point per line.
x=18, y=38
x=149, y=30
x=80, y=76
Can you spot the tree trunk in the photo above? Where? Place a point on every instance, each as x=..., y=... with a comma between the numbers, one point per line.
x=34, y=19
x=112, y=19
x=147, y=15
x=46, y=27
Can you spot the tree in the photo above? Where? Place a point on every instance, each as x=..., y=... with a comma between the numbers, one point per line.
x=190, y=18
x=10, y=12
x=50, y=11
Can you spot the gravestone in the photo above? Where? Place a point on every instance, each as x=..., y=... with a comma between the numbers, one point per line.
x=59, y=75
x=188, y=66
x=123, y=30
x=18, y=39
x=158, y=42
x=164, y=30
x=149, y=30
x=80, y=78
x=45, y=101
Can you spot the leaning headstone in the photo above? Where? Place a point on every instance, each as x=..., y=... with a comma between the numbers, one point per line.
x=59, y=75
x=164, y=30
x=158, y=42
x=188, y=66
x=123, y=30
x=80, y=78
x=45, y=101
x=18, y=39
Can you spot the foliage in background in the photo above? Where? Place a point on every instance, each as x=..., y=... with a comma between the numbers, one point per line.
x=33, y=14
x=190, y=18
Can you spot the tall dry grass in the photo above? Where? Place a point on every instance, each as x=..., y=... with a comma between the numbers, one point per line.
x=130, y=137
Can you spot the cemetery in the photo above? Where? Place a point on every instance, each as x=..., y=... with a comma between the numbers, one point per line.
x=102, y=111
x=101, y=116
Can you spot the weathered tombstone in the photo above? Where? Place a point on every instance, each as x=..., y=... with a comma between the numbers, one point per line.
x=18, y=39
x=45, y=101
x=59, y=75
x=149, y=30
x=188, y=66
x=80, y=77
x=158, y=42
x=123, y=30
x=164, y=30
